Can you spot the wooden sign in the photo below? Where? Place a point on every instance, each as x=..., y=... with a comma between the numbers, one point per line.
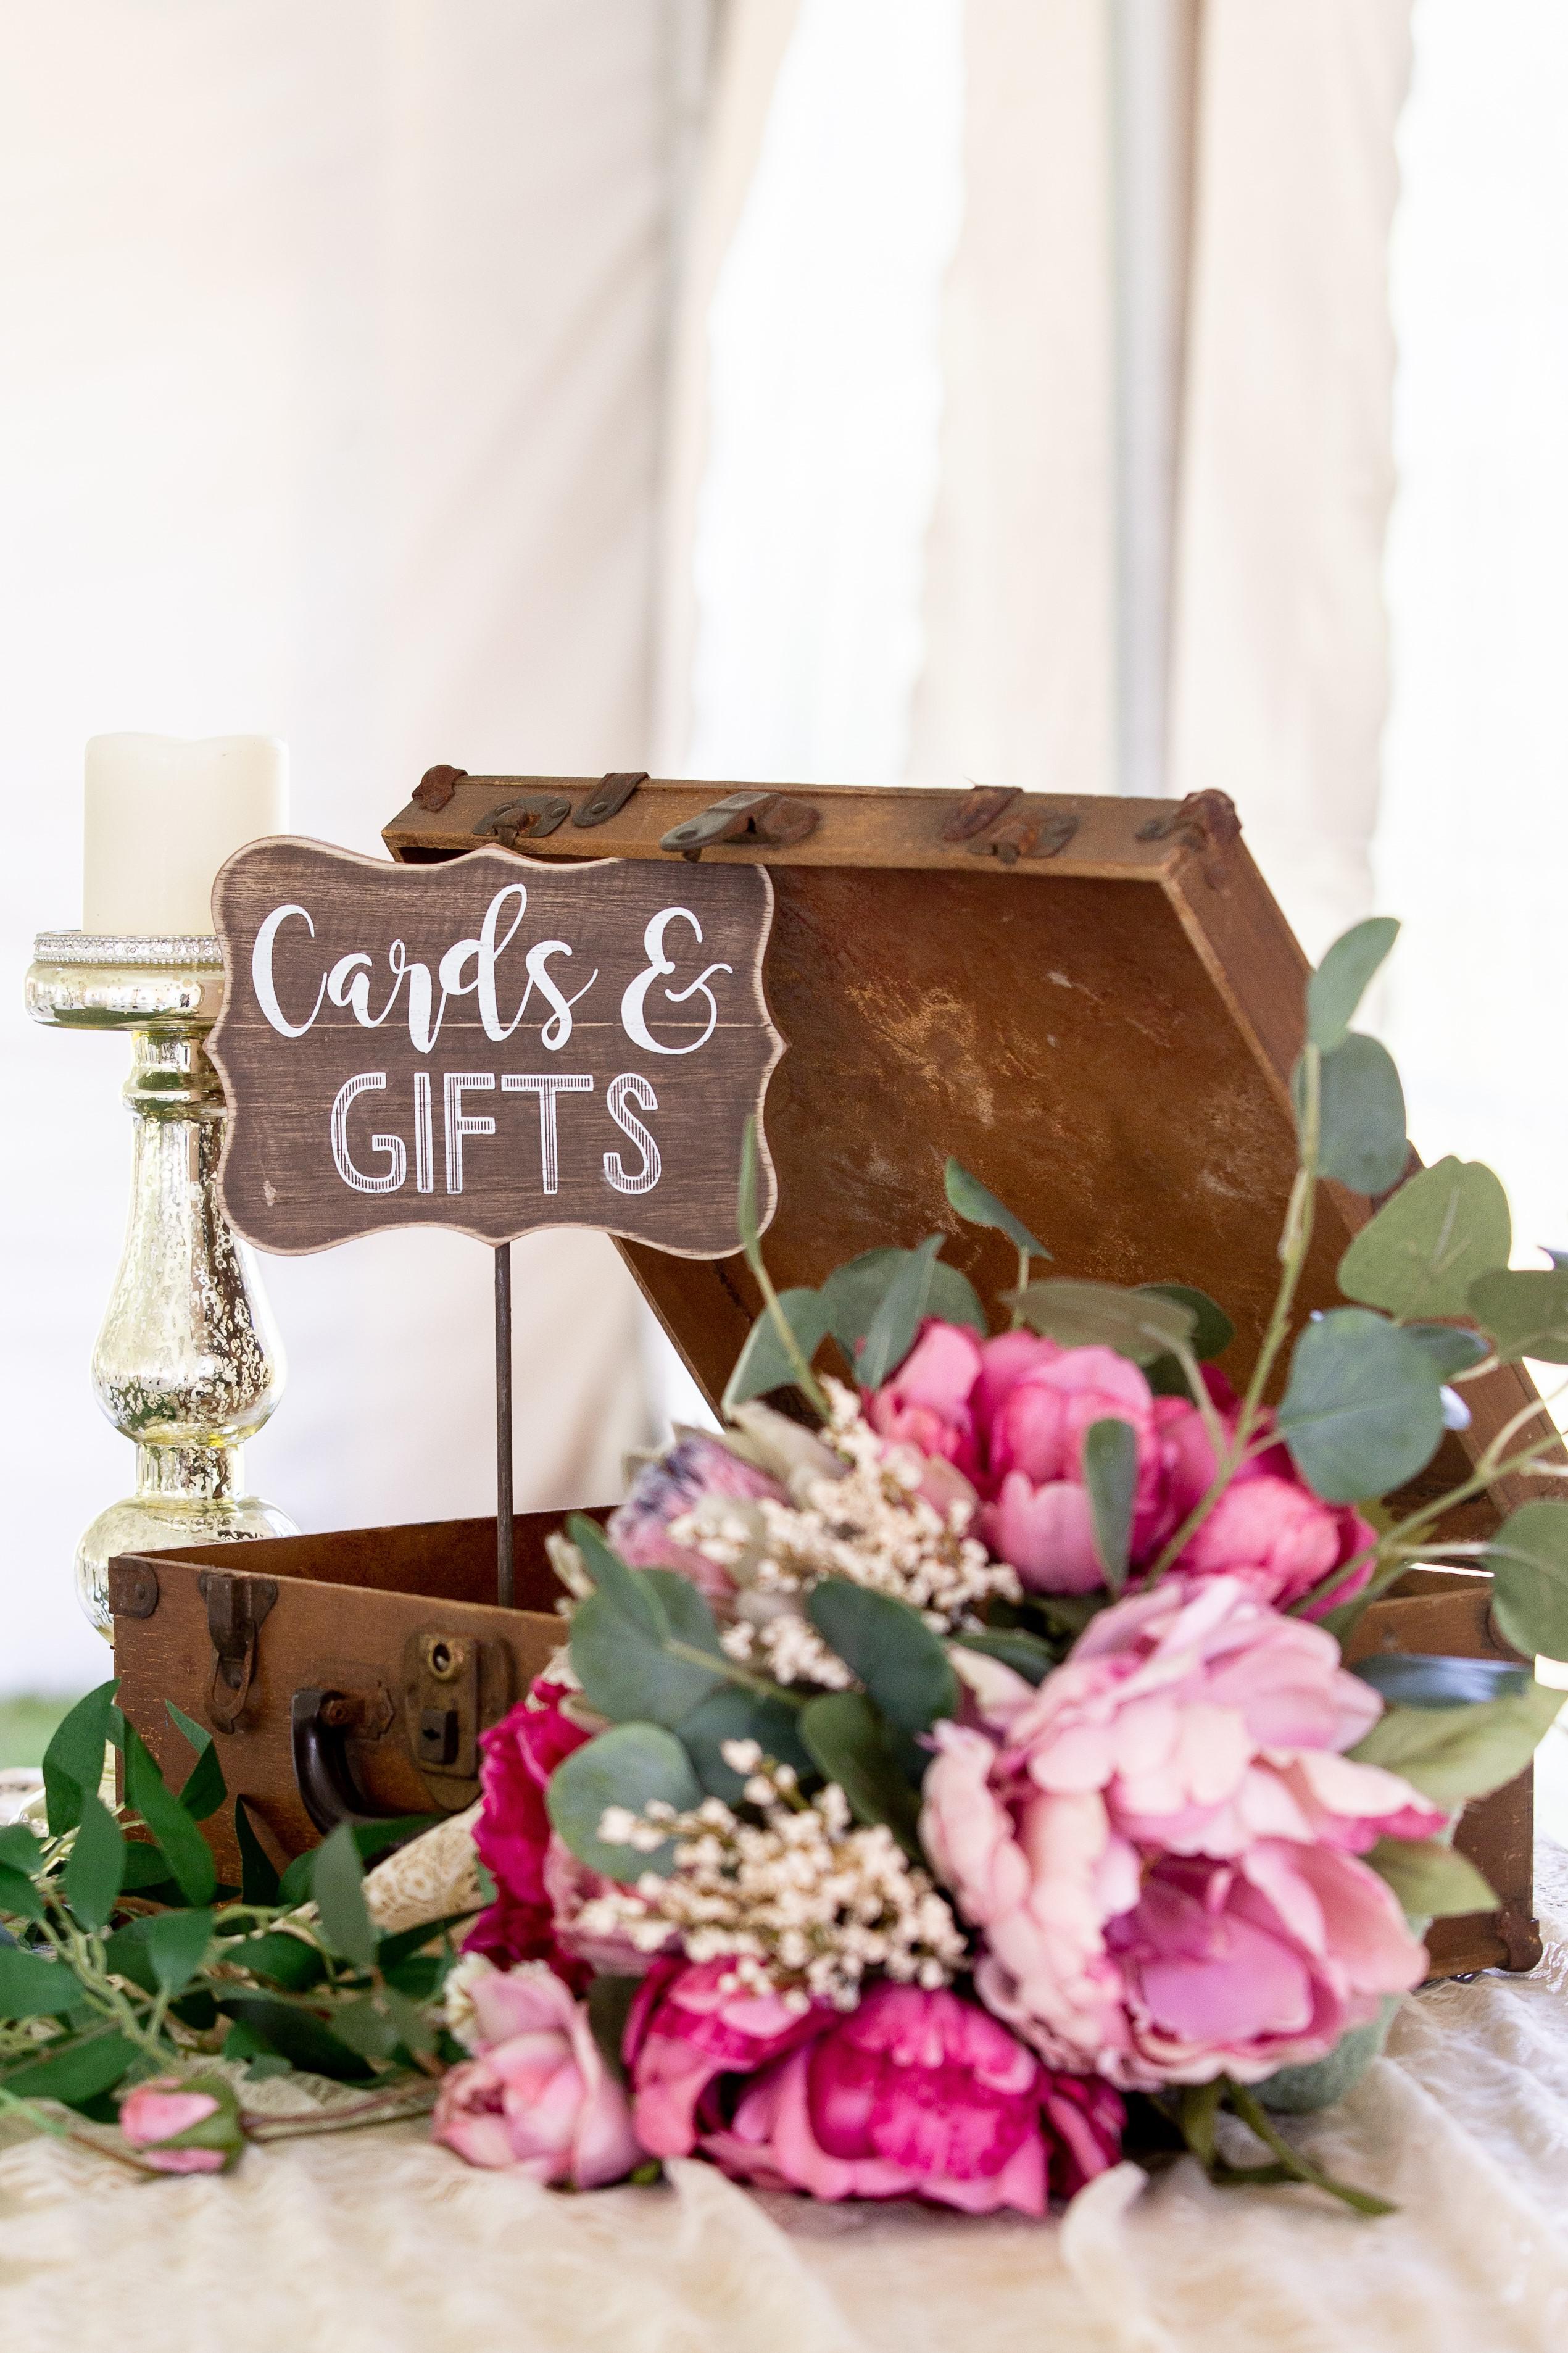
x=489, y=1043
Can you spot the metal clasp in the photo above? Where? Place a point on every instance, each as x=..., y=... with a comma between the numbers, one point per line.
x=778, y=819
x=535, y=815
x=236, y=1608
x=608, y=797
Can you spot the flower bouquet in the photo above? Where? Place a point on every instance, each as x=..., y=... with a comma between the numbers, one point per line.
x=946, y=1785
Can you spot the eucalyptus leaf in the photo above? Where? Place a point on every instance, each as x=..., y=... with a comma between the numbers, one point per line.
x=732, y=1713
x=1335, y=990
x=611, y=1577
x=1419, y=1255
x=902, y=1663
x=763, y=1362
x=184, y=1849
x=73, y=1761
x=1025, y=1653
x=978, y=1206
x=1525, y=1309
x=1430, y=1879
x=1419, y=1678
x=853, y=1291
x=1111, y=1475
x=1453, y=1753
x=630, y=1674
x=1361, y=1141
x=626, y=1766
x=337, y=1884
x=1529, y=1560
x=849, y=1742
x=1449, y=1348
x=1362, y=1410
x=903, y=1309
x=1212, y=1330
x=96, y=1869
x=1140, y=1324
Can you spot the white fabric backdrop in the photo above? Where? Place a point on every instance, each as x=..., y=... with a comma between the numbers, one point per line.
x=335, y=358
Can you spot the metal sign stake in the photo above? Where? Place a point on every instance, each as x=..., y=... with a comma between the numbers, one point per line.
x=503, y=1427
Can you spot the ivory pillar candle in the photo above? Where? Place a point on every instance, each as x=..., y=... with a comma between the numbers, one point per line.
x=162, y=813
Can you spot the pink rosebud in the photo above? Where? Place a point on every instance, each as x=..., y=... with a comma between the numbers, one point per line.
x=924, y=2095
x=514, y=1833
x=1160, y=1844
x=666, y=1490
x=926, y=1404
x=540, y=2097
x=182, y=2127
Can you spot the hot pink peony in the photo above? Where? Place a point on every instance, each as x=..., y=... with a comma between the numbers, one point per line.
x=912, y=2094
x=665, y=1490
x=513, y=1834
x=1012, y=1414
x=1160, y=1844
x=538, y=2097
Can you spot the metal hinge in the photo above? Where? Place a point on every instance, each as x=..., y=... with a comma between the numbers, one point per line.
x=780, y=820
x=534, y=815
x=608, y=797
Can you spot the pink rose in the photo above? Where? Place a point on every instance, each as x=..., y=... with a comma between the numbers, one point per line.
x=926, y=1403
x=538, y=2097
x=684, y=2030
x=514, y=1833
x=665, y=1490
x=1268, y=1529
x=1160, y=1844
x=164, y=2111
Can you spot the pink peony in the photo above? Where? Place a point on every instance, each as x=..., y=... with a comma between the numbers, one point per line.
x=513, y=1834
x=1012, y=1413
x=164, y=2109
x=538, y=2097
x=1161, y=1844
x=665, y=1490
x=910, y=2094
x=684, y=2030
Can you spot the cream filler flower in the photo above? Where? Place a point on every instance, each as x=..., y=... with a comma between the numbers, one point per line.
x=871, y=1518
x=806, y=1904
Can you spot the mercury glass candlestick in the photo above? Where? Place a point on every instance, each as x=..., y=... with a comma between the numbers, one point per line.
x=188, y=1364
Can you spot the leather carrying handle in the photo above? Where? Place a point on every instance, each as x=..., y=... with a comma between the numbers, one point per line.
x=323, y=1773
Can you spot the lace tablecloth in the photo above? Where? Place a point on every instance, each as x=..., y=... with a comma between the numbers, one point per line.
x=377, y=2242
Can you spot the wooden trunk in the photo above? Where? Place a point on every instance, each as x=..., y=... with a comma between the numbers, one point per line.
x=1094, y=1003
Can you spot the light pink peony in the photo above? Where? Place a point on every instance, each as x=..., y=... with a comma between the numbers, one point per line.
x=665, y=1490
x=513, y=1835
x=910, y=2094
x=164, y=2108
x=1160, y=1844
x=538, y=2097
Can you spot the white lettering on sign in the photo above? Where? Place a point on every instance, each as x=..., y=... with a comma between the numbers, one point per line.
x=547, y=1087
x=261, y=972
x=632, y=1087
x=634, y=1017
x=460, y=1122
x=367, y=1081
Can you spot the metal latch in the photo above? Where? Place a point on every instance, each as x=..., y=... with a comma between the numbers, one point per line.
x=236, y=1608
x=534, y=815
x=454, y=1685
x=1026, y=836
x=608, y=797
x=780, y=820
x=436, y=788
x=979, y=808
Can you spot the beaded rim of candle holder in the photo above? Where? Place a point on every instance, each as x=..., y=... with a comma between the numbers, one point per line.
x=95, y=980
x=129, y=947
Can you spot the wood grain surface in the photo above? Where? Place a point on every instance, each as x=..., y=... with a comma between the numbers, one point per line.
x=489, y=1045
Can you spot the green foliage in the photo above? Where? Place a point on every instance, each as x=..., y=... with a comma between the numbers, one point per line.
x=1361, y=1141
x=978, y=1206
x=182, y=1847
x=337, y=1884
x=1335, y=990
x=1419, y=1255
x=285, y=1960
x=73, y=1761
x=1449, y=1349
x=853, y=1292
x=1430, y=1879
x=82, y=2068
x=1213, y=1332
x=203, y=1791
x=19, y=1895
x=903, y=1665
x=610, y=2000
x=629, y=1672
x=732, y=1713
x=903, y=1308
x=626, y=1766
x=611, y=1577
x=1529, y=1560
x=1417, y=1679
x=1111, y=1475
x=296, y=2034
x=32, y=1986
x=1525, y=1309
x=20, y=1849
x=94, y=1874
x=1025, y=1653
x=1453, y=1754
x=1139, y=1325
x=849, y=1741
x=764, y=1362
x=258, y=1877
x=1363, y=1410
